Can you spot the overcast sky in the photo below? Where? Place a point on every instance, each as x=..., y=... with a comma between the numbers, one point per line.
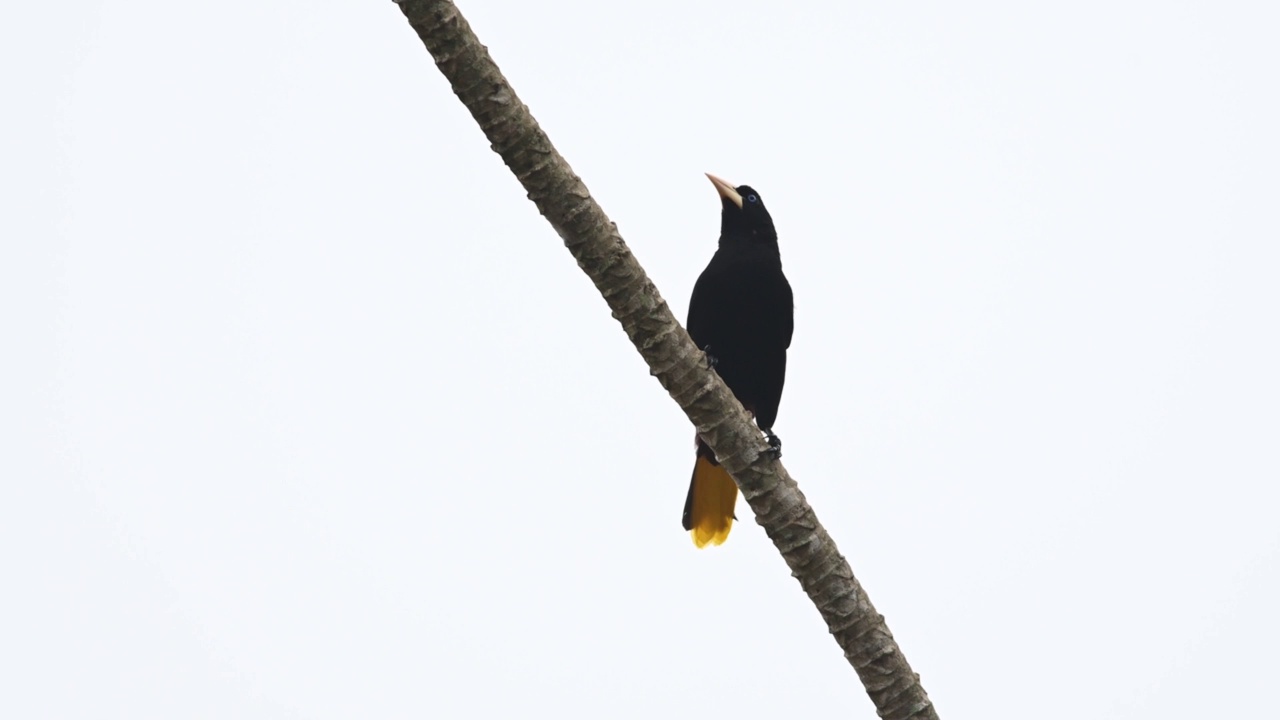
x=308, y=413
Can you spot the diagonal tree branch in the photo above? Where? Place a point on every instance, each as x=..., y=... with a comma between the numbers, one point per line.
x=594, y=241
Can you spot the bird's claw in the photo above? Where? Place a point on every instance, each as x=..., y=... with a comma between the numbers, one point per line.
x=712, y=360
x=775, y=444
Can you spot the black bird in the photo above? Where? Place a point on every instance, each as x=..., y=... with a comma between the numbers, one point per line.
x=741, y=315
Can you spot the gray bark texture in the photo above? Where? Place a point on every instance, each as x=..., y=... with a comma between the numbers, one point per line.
x=679, y=366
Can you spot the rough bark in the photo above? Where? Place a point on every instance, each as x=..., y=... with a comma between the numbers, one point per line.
x=593, y=239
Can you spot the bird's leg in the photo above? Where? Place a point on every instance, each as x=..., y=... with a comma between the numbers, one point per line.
x=775, y=443
x=712, y=360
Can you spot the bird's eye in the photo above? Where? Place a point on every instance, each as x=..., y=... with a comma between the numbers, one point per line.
x=752, y=198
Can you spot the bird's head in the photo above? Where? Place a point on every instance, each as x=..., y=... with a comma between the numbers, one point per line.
x=742, y=213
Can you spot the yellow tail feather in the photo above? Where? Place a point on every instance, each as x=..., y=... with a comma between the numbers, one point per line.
x=714, y=495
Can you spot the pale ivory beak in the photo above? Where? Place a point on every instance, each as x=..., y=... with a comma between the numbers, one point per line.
x=726, y=190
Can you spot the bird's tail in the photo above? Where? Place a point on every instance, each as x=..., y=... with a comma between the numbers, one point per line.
x=708, y=510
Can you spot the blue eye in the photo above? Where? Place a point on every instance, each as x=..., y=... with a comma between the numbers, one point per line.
x=752, y=198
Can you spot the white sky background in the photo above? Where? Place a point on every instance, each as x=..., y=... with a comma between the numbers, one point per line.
x=308, y=413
